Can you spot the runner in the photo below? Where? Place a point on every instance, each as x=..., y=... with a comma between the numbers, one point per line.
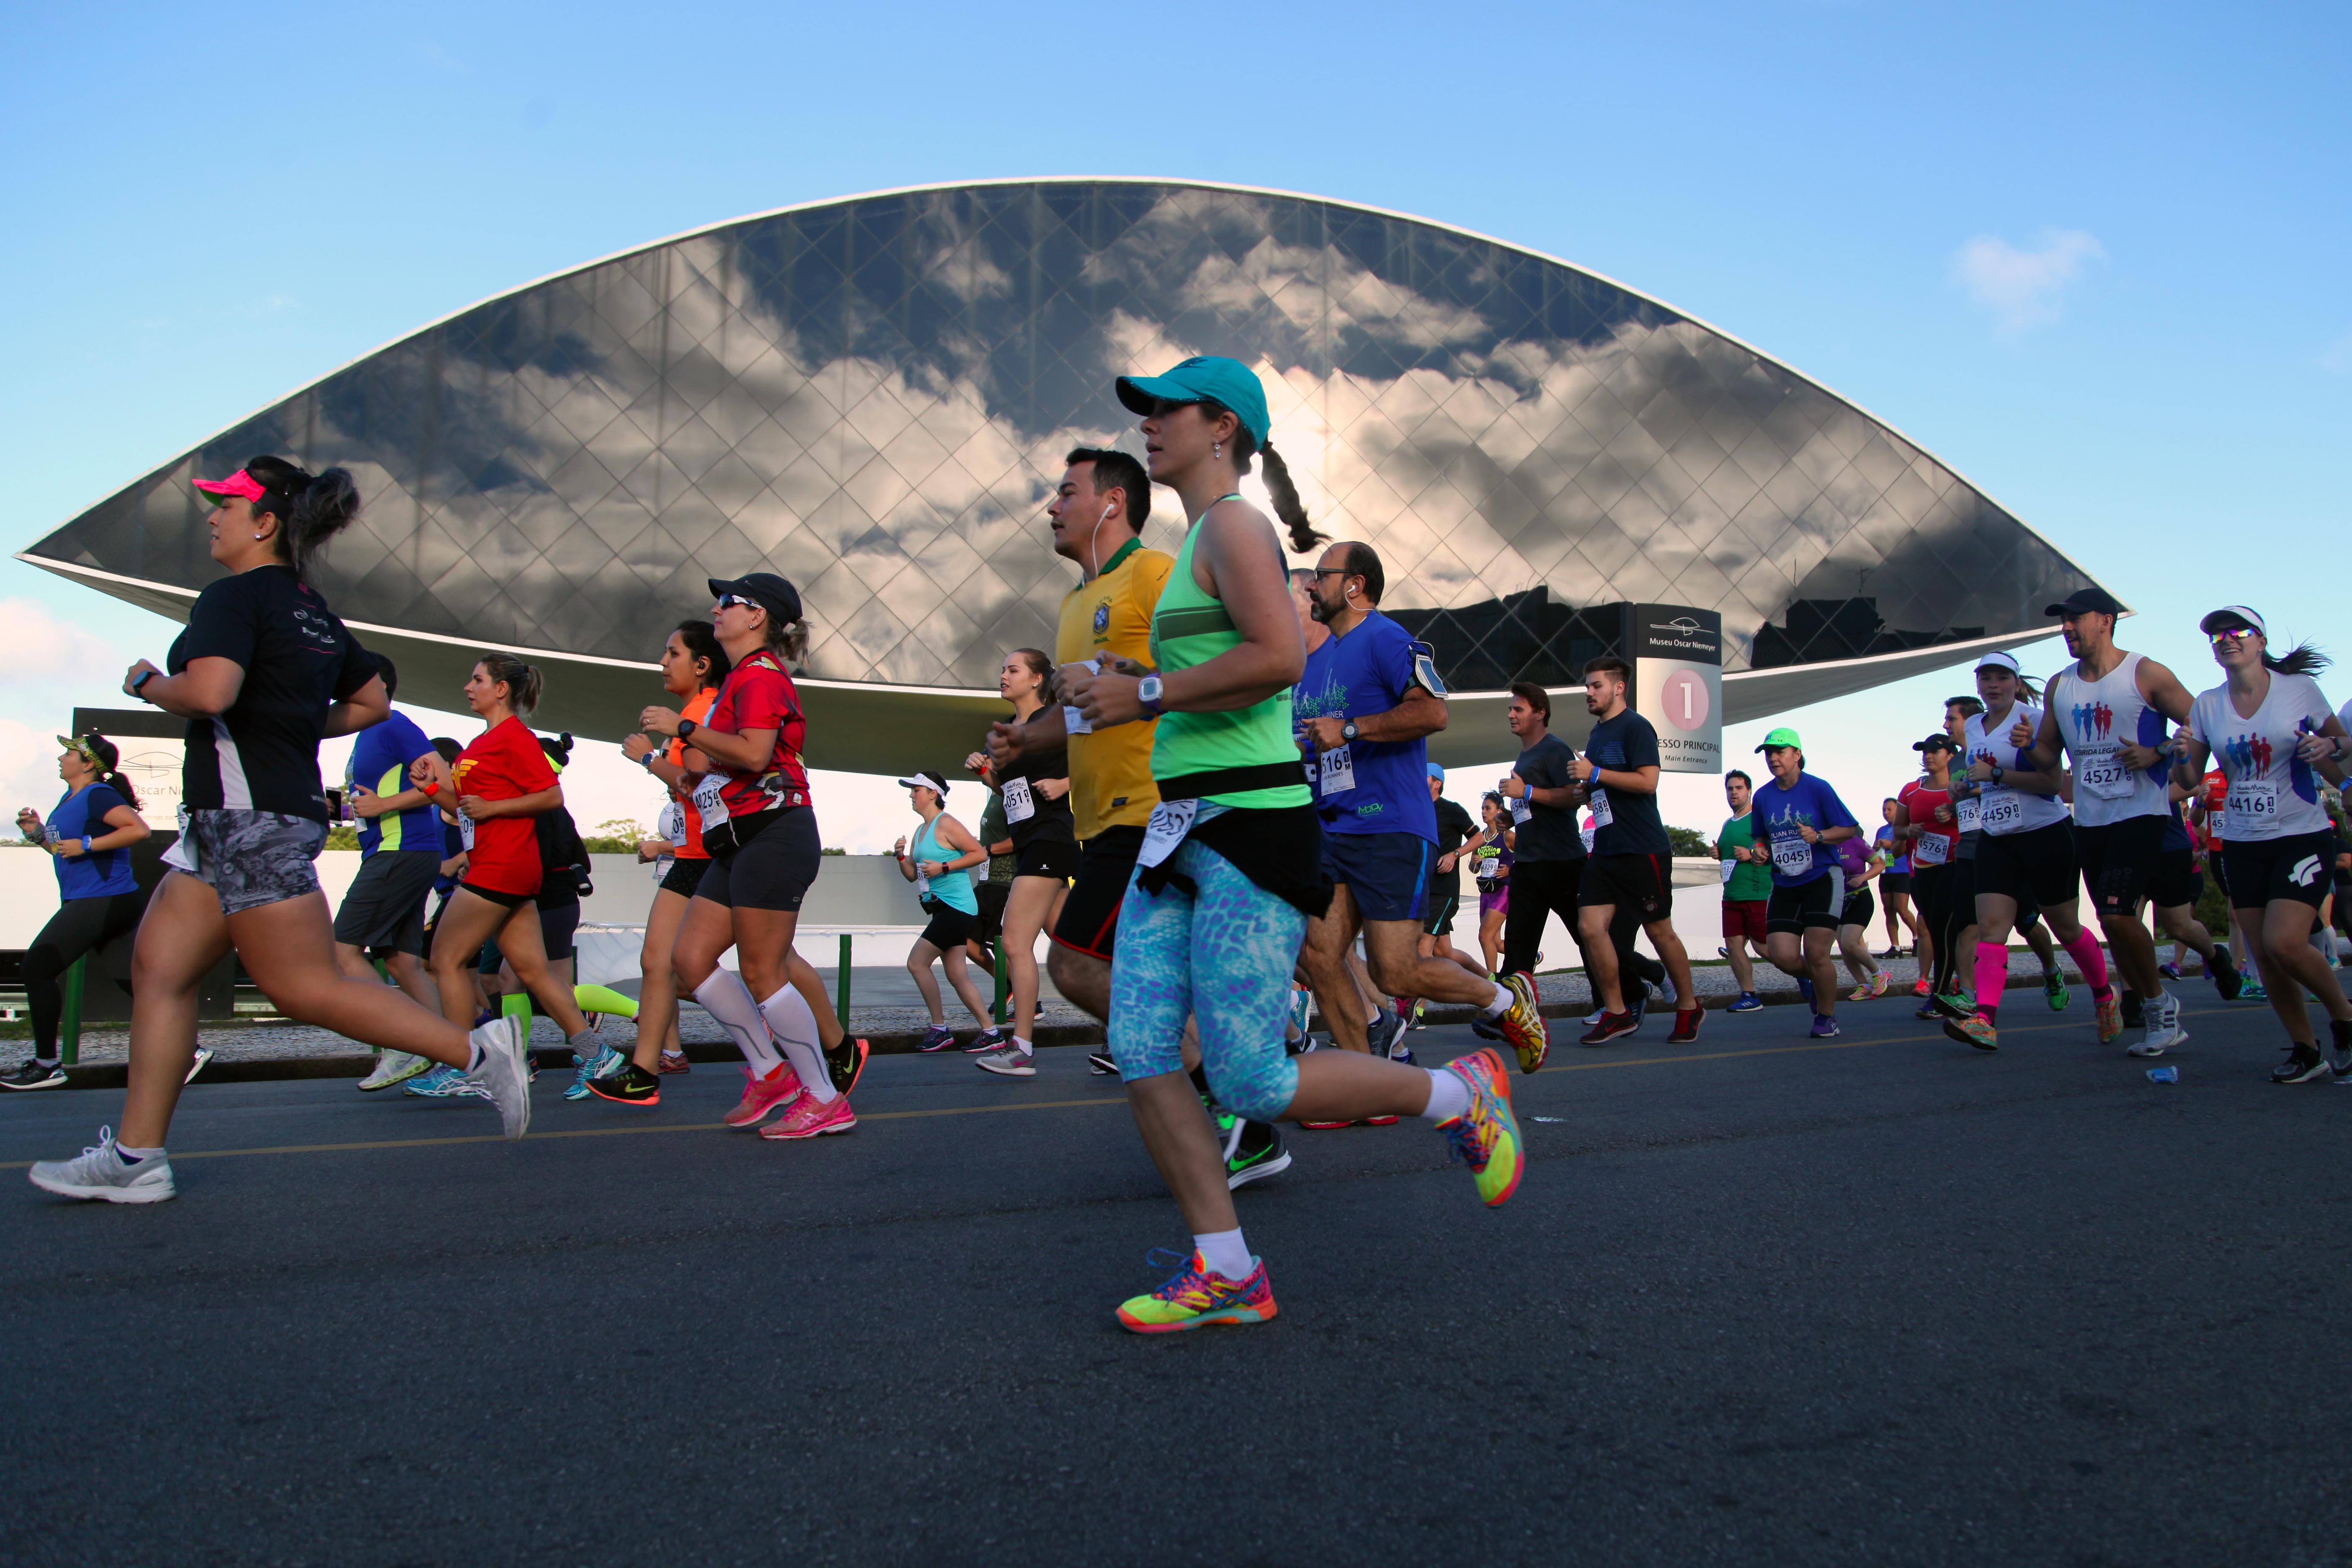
x=89, y=833
x=1894, y=888
x=1860, y=863
x=1459, y=839
x=2114, y=705
x=262, y=673
x=1045, y=836
x=2028, y=853
x=751, y=788
x=2209, y=809
x=693, y=666
x=1491, y=869
x=1746, y=878
x=1927, y=828
x=1632, y=864
x=939, y=861
x=1955, y=949
x=2173, y=891
x=1364, y=707
x=1802, y=821
x=1546, y=849
x=1202, y=936
x=988, y=926
x=2275, y=737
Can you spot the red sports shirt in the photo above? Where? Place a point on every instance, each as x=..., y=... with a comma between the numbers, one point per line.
x=1921, y=799
x=759, y=695
x=504, y=763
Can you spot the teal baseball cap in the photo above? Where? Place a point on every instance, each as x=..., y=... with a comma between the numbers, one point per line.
x=1204, y=376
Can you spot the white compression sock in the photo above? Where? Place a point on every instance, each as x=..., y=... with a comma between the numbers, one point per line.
x=1501, y=1004
x=792, y=1023
x=1223, y=1251
x=725, y=998
x=1449, y=1095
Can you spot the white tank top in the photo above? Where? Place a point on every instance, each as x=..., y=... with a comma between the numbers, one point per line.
x=2007, y=811
x=2095, y=718
x=2274, y=792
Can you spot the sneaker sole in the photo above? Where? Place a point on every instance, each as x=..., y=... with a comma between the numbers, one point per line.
x=776, y=1135
x=750, y=1122
x=648, y=1103
x=1235, y=1180
x=1238, y=1317
x=108, y=1195
x=58, y=1082
x=1029, y=1070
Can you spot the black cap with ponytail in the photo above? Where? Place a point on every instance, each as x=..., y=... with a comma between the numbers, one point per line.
x=102, y=751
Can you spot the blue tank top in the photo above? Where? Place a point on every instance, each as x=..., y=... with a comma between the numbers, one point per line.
x=953, y=889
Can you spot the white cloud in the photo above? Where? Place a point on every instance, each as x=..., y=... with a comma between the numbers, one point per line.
x=2024, y=288
x=37, y=647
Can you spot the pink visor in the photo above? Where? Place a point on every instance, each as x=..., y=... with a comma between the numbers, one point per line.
x=239, y=483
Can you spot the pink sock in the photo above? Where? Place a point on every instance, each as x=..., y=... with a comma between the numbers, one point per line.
x=1992, y=975
x=2084, y=951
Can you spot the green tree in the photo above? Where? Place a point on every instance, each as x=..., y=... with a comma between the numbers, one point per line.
x=1690, y=842
x=617, y=837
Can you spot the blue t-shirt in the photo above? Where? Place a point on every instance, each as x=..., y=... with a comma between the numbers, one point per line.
x=453, y=844
x=379, y=759
x=2176, y=833
x=102, y=873
x=1624, y=822
x=1884, y=841
x=1781, y=811
x=1365, y=672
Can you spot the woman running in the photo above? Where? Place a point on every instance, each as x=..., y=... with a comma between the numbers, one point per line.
x=503, y=782
x=90, y=831
x=1894, y=888
x=939, y=861
x=263, y=672
x=693, y=668
x=1036, y=793
x=2275, y=737
x=1861, y=864
x=1927, y=829
x=1231, y=867
x=1491, y=868
x=752, y=790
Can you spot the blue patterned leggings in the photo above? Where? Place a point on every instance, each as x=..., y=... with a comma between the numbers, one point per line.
x=1224, y=953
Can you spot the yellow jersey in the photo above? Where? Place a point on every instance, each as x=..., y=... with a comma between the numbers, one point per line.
x=1110, y=774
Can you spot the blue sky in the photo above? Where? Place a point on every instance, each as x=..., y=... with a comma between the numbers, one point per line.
x=2094, y=257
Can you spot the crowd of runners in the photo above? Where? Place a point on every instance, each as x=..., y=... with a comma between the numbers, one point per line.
x=1213, y=796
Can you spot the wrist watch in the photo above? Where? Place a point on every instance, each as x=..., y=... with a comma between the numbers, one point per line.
x=647, y=761
x=139, y=684
x=1999, y=774
x=1348, y=730
x=686, y=728
x=1146, y=691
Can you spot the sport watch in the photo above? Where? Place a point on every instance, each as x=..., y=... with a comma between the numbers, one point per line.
x=1348, y=730
x=1146, y=691
x=686, y=728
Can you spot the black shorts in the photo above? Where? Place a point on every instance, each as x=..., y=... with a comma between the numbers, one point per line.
x=557, y=924
x=1860, y=909
x=773, y=870
x=2176, y=880
x=684, y=877
x=384, y=910
x=1089, y=920
x=950, y=926
x=2038, y=864
x=504, y=901
x=1054, y=857
x=989, y=924
x=1817, y=905
x=1438, y=909
x=2119, y=861
x=2264, y=870
x=1641, y=883
x=1896, y=882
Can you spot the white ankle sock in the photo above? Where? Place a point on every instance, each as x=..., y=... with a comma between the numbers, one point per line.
x=1449, y=1095
x=1501, y=1004
x=140, y=1156
x=793, y=1023
x=1223, y=1251
x=725, y=998
x=1024, y=1047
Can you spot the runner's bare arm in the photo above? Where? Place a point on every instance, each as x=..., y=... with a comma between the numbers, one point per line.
x=1244, y=566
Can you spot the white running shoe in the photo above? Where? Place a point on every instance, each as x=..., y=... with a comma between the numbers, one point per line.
x=505, y=1073
x=204, y=1055
x=2163, y=1030
x=1667, y=985
x=395, y=1067
x=100, y=1173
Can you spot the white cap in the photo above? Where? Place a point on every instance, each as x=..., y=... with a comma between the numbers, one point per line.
x=1997, y=659
x=2234, y=613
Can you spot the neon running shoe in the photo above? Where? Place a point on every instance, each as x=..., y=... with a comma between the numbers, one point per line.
x=2110, y=1016
x=2053, y=987
x=1861, y=993
x=445, y=1083
x=394, y=1068
x=812, y=1118
x=604, y=1062
x=846, y=1064
x=1746, y=1002
x=761, y=1095
x=1956, y=1006
x=1487, y=1136
x=1522, y=1024
x=1878, y=984
x=674, y=1061
x=1252, y=1150
x=1196, y=1296
x=1976, y=1031
x=633, y=1085
x=1920, y=986
x=2251, y=991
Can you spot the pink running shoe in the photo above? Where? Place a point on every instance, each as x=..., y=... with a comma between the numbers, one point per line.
x=762, y=1095
x=813, y=1118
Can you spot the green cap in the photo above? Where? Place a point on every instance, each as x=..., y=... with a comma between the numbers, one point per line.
x=1228, y=381
x=1779, y=738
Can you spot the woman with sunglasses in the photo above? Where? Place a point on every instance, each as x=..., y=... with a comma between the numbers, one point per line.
x=90, y=831
x=262, y=674
x=2275, y=738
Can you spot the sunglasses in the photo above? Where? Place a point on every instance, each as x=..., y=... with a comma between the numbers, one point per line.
x=2230, y=635
x=729, y=601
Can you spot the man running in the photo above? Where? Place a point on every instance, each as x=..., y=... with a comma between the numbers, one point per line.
x=1802, y=821
x=1746, y=887
x=1368, y=699
x=1632, y=861
x=1459, y=838
x=1546, y=849
x=382, y=913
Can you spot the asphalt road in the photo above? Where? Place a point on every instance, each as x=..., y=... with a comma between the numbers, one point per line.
x=1879, y=1300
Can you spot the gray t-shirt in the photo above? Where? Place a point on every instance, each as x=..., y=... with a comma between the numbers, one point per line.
x=1547, y=832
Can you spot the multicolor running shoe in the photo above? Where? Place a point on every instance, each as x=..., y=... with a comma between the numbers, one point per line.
x=2053, y=988
x=1196, y=1296
x=2111, y=1015
x=1522, y=1024
x=937, y=1038
x=633, y=1085
x=1487, y=1136
x=781, y=1087
x=846, y=1063
x=445, y=1083
x=1976, y=1031
x=812, y=1118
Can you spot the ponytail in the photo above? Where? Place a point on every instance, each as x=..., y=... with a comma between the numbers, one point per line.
x=788, y=640
x=2300, y=659
x=1287, y=507
x=522, y=680
x=122, y=787
x=103, y=751
x=310, y=509
x=558, y=749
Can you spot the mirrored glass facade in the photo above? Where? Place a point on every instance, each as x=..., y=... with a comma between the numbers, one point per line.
x=873, y=396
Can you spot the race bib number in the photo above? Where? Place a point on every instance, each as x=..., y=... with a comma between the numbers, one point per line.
x=1074, y=723
x=1726, y=868
x=1930, y=849
x=465, y=832
x=1969, y=814
x=1792, y=856
x=180, y=857
x=2252, y=808
x=672, y=823
x=709, y=800
x=1586, y=832
x=2003, y=814
x=1603, y=815
x=1520, y=810
x=1335, y=772
x=2103, y=774
x=1170, y=821
x=1019, y=807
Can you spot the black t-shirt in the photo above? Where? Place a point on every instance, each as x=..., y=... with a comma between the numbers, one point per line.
x=562, y=858
x=1453, y=826
x=1626, y=744
x=299, y=661
x=1547, y=832
x=1046, y=821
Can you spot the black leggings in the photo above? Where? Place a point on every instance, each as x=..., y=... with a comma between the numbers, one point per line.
x=80, y=926
x=1544, y=887
x=1937, y=889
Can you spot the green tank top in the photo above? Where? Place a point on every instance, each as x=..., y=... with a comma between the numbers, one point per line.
x=1244, y=759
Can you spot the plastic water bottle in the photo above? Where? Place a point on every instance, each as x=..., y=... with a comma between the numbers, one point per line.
x=2164, y=1074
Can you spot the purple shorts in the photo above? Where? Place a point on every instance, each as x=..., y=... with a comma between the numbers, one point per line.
x=1494, y=903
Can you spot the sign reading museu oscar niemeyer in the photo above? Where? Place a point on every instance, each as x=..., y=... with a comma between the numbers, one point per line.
x=1676, y=651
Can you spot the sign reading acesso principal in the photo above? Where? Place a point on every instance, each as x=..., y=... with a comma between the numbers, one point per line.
x=1676, y=651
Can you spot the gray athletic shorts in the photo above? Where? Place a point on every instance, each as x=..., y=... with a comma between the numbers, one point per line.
x=385, y=911
x=250, y=857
